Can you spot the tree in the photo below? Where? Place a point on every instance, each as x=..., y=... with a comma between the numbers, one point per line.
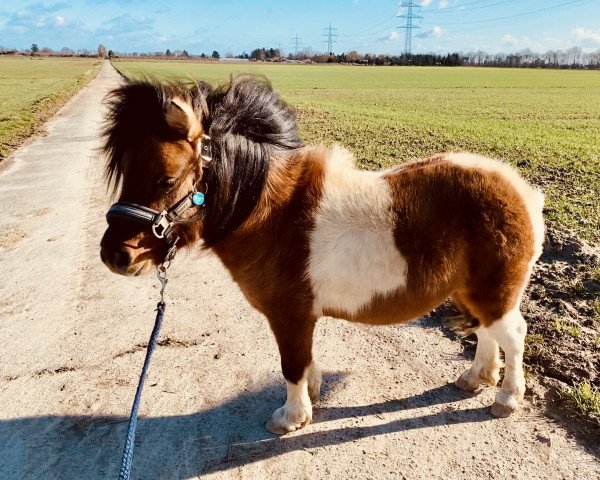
x=101, y=51
x=111, y=54
x=185, y=54
x=34, y=48
x=203, y=55
x=354, y=57
x=258, y=54
x=215, y=54
x=168, y=53
x=574, y=56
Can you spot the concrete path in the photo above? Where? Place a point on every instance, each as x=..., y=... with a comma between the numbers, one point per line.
x=71, y=347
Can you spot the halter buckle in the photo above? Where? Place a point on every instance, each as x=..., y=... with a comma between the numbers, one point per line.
x=206, y=149
x=161, y=225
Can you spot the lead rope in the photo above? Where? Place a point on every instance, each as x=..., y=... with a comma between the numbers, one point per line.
x=126, y=460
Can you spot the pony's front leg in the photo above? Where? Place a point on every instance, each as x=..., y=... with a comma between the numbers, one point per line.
x=294, y=338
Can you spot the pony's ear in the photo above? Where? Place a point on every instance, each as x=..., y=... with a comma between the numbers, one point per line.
x=180, y=116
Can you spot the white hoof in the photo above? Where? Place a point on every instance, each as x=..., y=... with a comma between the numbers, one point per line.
x=467, y=383
x=286, y=419
x=506, y=403
x=297, y=411
x=473, y=378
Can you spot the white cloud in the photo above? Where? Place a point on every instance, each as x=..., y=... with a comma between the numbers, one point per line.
x=586, y=35
x=524, y=42
x=59, y=20
x=393, y=36
x=435, y=32
x=509, y=40
x=443, y=3
x=426, y=3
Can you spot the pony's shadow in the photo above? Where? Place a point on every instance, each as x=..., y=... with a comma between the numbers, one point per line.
x=226, y=436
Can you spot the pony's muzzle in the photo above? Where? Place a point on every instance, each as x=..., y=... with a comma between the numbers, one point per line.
x=118, y=261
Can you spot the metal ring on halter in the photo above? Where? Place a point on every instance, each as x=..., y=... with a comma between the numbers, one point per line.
x=161, y=225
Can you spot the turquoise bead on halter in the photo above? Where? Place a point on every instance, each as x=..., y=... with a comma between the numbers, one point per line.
x=198, y=198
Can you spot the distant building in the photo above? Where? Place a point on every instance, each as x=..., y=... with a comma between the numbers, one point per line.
x=235, y=60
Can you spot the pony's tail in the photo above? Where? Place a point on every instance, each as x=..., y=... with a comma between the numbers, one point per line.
x=463, y=325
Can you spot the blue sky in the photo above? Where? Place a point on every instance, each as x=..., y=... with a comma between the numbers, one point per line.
x=236, y=26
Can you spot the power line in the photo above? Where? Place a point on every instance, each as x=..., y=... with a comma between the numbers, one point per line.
x=539, y=10
x=330, y=34
x=362, y=32
x=461, y=9
x=409, y=26
x=297, y=41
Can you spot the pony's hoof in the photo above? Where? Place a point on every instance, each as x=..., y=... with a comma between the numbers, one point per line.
x=502, y=411
x=465, y=385
x=507, y=401
x=283, y=422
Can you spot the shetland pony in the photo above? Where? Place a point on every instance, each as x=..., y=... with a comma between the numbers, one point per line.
x=306, y=234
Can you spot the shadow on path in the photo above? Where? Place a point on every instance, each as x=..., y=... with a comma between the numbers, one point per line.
x=226, y=436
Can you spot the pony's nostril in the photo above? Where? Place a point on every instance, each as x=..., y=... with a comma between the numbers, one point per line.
x=121, y=259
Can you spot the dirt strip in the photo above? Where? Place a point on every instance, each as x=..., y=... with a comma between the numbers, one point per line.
x=72, y=337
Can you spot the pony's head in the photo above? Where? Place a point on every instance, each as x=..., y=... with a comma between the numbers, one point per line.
x=154, y=138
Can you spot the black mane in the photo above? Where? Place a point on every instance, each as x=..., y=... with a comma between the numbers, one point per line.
x=248, y=124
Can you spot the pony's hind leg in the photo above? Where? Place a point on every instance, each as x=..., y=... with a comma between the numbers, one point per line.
x=486, y=366
x=509, y=331
x=314, y=378
x=303, y=379
x=505, y=330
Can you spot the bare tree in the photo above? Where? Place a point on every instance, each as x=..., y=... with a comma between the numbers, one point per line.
x=101, y=51
x=574, y=56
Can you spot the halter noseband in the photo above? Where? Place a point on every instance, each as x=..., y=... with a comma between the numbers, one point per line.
x=161, y=223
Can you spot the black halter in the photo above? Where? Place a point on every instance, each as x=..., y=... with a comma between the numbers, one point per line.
x=162, y=223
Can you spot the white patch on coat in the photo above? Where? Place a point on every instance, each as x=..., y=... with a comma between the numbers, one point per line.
x=353, y=254
x=532, y=197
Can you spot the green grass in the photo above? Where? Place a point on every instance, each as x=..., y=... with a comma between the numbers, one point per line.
x=596, y=306
x=584, y=399
x=31, y=89
x=567, y=327
x=547, y=122
x=534, y=346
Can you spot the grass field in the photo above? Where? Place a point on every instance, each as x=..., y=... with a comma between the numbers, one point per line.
x=31, y=89
x=547, y=122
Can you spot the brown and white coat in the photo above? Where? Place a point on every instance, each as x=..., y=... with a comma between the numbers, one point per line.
x=324, y=238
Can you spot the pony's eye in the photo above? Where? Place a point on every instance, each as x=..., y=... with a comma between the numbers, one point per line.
x=167, y=182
